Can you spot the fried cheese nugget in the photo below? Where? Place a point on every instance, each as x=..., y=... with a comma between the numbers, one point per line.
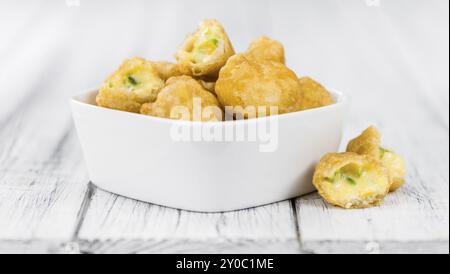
x=244, y=82
x=184, y=96
x=350, y=180
x=369, y=143
x=204, y=52
x=313, y=94
x=264, y=48
x=135, y=82
x=166, y=69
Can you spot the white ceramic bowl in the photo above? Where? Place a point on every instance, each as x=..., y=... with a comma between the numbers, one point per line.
x=137, y=156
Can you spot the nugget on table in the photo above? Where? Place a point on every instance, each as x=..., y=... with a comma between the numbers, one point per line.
x=350, y=180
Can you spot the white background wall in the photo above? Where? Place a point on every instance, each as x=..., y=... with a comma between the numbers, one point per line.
x=369, y=49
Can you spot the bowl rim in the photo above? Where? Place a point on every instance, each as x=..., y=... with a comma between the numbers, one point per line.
x=341, y=101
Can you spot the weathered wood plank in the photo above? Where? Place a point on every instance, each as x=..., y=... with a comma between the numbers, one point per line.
x=186, y=246
x=42, y=176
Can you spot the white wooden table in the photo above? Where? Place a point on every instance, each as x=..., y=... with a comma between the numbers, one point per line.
x=390, y=57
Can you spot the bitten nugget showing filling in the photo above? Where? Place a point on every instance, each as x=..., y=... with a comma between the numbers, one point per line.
x=184, y=98
x=247, y=83
x=264, y=48
x=255, y=83
x=313, y=94
x=350, y=180
x=135, y=82
x=206, y=51
x=369, y=143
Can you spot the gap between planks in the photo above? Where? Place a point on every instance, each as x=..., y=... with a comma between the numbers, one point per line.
x=115, y=224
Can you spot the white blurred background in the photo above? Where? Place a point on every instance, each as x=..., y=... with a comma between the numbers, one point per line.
x=377, y=51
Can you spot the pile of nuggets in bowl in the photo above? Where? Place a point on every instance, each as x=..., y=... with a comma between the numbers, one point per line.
x=255, y=83
x=208, y=69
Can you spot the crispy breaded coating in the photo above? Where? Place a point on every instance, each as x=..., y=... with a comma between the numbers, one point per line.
x=135, y=82
x=244, y=82
x=264, y=48
x=369, y=143
x=166, y=69
x=209, y=86
x=206, y=51
x=350, y=180
x=184, y=96
x=313, y=94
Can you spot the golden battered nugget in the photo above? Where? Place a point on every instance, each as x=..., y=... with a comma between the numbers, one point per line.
x=206, y=51
x=350, y=180
x=181, y=93
x=313, y=94
x=244, y=82
x=166, y=69
x=264, y=48
x=136, y=82
x=369, y=143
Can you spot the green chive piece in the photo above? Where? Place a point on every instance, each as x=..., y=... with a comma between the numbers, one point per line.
x=353, y=170
x=350, y=180
x=383, y=151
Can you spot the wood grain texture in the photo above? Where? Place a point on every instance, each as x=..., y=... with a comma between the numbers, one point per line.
x=43, y=179
x=390, y=59
x=180, y=246
x=117, y=224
